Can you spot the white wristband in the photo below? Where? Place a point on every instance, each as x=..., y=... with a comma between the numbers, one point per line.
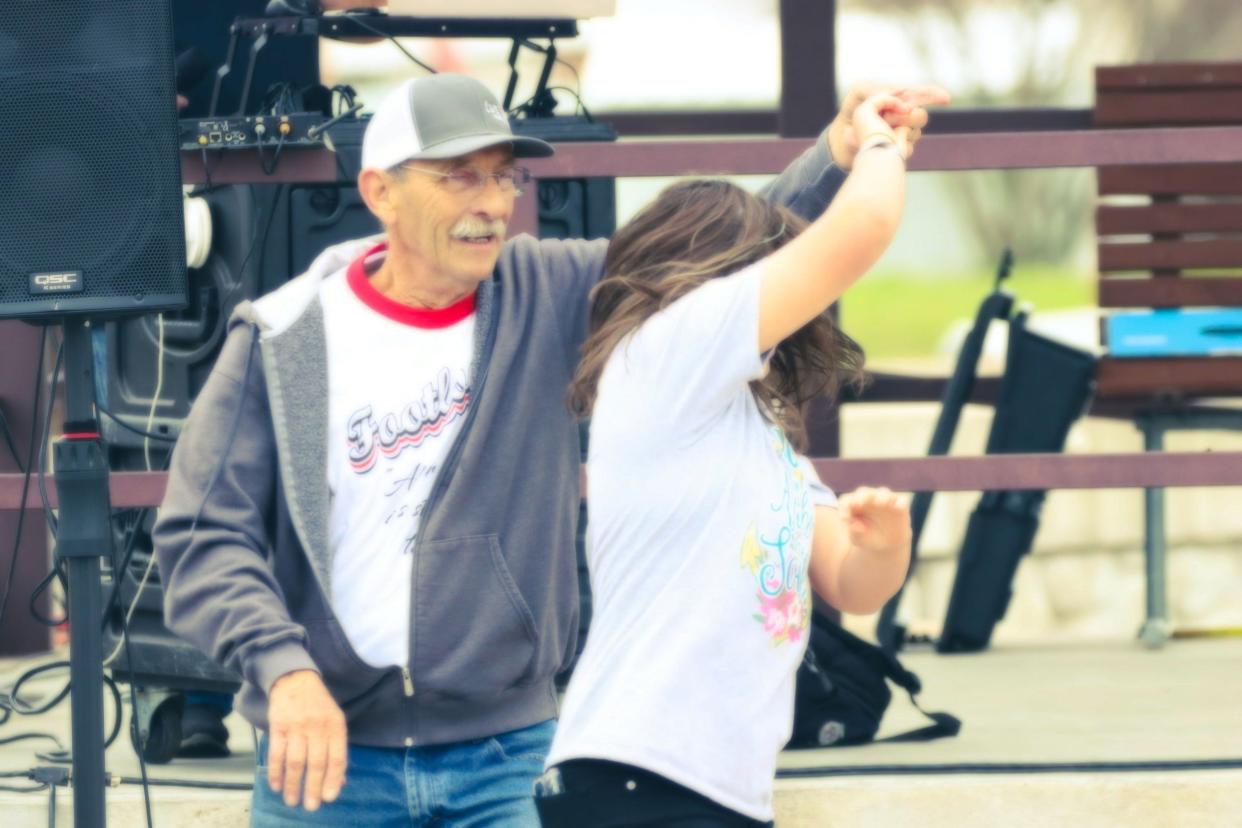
x=884, y=142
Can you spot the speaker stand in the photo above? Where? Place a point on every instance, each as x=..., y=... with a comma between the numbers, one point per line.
x=83, y=536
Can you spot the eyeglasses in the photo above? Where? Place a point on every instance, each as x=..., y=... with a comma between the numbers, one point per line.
x=463, y=180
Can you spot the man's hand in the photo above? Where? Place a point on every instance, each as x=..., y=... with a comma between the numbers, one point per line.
x=307, y=738
x=843, y=138
x=877, y=519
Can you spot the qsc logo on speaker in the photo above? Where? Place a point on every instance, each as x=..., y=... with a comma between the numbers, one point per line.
x=65, y=281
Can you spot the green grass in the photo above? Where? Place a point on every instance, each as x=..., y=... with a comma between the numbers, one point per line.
x=898, y=314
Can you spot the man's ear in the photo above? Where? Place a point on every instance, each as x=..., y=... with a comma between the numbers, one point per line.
x=376, y=190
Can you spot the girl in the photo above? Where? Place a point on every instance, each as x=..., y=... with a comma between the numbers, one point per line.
x=708, y=531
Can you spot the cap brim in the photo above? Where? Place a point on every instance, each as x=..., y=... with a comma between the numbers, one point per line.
x=523, y=147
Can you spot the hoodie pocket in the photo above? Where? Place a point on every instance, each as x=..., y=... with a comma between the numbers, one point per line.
x=474, y=634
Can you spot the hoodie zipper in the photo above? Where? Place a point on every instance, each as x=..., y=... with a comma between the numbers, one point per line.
x=408, y=681
x=450, y=462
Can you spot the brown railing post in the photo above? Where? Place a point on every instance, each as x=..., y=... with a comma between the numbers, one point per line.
x=22, y=633
x=808, y=66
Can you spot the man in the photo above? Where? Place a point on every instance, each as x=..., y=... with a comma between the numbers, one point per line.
x=370, y=513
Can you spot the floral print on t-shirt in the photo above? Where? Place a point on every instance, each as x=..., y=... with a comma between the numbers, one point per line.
x=776, y=550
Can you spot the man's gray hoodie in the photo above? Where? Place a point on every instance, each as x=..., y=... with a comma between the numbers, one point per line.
x=242, y=535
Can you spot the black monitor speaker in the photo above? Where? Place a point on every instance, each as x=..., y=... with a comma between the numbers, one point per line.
x=90, y=200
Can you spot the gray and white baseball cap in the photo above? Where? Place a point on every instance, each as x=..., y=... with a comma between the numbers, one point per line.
x=440, y=116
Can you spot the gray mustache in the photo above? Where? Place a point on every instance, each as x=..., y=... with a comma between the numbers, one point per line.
x=475, y=227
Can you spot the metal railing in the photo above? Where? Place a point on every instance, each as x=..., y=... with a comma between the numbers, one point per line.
x=1043, y=149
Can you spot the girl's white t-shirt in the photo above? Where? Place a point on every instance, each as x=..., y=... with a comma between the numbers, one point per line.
x=701, y=520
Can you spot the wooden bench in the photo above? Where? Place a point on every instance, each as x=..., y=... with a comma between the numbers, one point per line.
x=1169, y=237
x=1191, y=219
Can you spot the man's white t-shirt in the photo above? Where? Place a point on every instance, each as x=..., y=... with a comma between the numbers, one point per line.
x=399, y=388
x=699, y=539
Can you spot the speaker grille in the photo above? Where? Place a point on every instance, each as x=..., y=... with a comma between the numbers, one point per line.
x=89, y=148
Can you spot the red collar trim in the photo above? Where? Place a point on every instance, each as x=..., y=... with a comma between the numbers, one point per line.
x=361, y=285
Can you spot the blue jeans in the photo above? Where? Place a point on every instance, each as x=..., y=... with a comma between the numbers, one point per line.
x=483, y=782
x=221, y=701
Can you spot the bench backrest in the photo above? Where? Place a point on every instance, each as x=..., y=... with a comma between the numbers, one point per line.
x=1170, y=236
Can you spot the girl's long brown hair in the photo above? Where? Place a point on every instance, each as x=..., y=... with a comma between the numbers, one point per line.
x=696, y=231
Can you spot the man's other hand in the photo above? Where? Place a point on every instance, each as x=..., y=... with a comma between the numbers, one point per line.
x=307, y=741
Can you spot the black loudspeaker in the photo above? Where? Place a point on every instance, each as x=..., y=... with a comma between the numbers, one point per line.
x=320, y=217
x=90, y=195
x=128, y=351
x=573, y=208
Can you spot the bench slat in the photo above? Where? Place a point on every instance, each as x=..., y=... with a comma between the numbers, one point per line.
x=1168, y=218
x=1178, y=108
x=1170, y=255
x=1171, y=179
x=1170, y=376
x=1165, y=75
x=1184, y=291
